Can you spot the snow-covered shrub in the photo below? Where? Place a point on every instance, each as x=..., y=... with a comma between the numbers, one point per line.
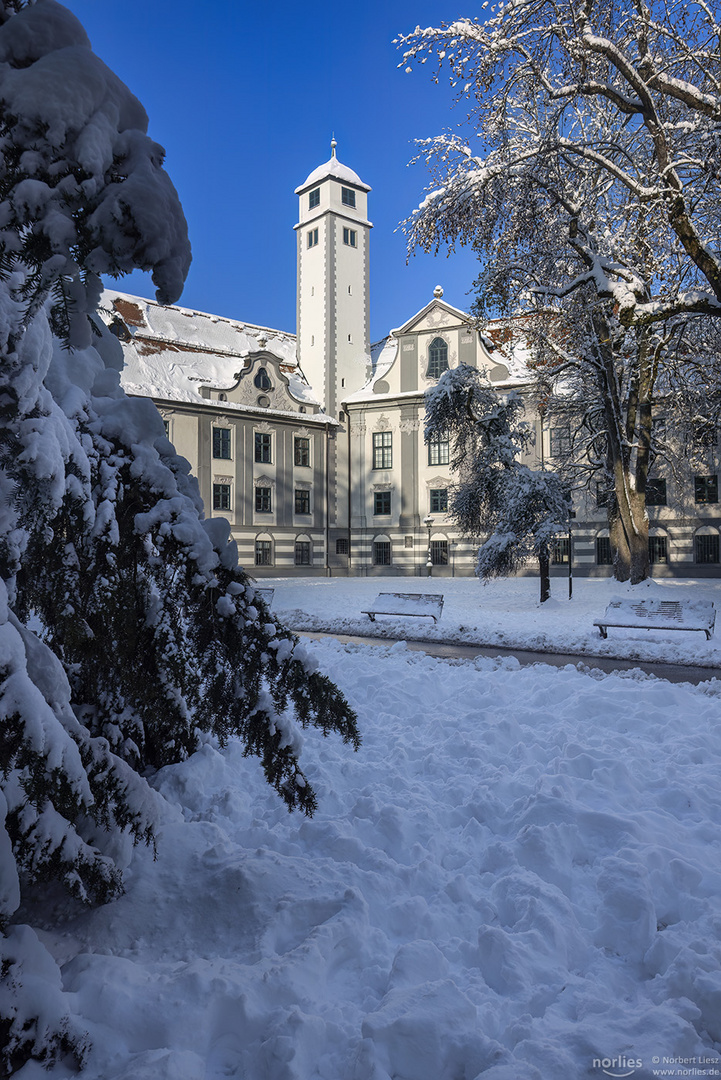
x=126, y=627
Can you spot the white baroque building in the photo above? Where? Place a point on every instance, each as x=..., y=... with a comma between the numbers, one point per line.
x=311, y=445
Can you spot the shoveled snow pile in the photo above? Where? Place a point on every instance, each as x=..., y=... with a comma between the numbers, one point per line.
x=516, y=877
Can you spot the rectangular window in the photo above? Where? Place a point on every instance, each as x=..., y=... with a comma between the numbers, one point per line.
x=559, y=550
x=347, y=196
x=221, y=496
x=349, y=237
x=302, y=553
x=657, y=549
x=604, y=556
x=301, y=451
x=439, y=501
x=704, y=435
x=602, y=495
x=438, y=450
x=312, y=237
x=263, y=500
x=263, y=447
x=707, y=548
x=341, y=546
x=313, y=198
x=166, y=425
x=381, y=502
x=381, y=553
x=655, y=492
x=658, y=428
x=221, y=443
x=302, y=501
x=439, y=552
x=706, y=489
x=263, y=552
x=382, y=450
x=560, y=441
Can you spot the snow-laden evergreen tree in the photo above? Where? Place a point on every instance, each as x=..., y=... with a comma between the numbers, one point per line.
x=127, y=629
x=590, y=189
x=521, y=509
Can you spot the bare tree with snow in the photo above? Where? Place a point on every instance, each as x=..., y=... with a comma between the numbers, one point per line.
x=591, y=193
x=127, y=629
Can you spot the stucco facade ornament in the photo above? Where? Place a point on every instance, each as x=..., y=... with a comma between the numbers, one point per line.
x=222, y=479
x=264, y=481
x=406, y=427
x=264, y=427
x=383, y=424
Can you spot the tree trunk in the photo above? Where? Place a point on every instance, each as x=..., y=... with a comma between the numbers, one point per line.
x=628, y=531
x=545, y=575
x=627, y=408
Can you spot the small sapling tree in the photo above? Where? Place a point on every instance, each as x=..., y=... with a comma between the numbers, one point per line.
x=520, y=509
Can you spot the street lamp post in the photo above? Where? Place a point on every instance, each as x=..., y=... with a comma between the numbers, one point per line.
x=428, y=522
x=571, y=516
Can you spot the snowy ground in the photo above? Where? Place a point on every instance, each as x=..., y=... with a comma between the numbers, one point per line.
x=516, y=877
x=504, y=612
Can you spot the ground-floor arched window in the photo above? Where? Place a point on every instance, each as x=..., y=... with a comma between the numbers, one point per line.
x=381, y=551
x=303, y=550
x=264, y=550
x=706, y=545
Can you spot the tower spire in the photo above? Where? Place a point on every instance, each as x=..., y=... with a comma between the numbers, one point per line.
x=333, y=145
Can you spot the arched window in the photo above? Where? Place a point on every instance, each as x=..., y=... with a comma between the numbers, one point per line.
x=262, y=379
x=706, y=545
x=437, y=358
x=303, y=551
x=264, y=549
x=381, y=551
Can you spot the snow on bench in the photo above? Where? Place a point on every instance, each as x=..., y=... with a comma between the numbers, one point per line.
x=659, y=615
x=266, y=595
x=429, y=605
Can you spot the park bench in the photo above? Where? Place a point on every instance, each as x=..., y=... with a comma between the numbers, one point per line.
x=428, y=605
x=266, y=595
x=659, y=615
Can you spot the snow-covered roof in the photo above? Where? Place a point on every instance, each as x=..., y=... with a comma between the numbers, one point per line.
x=383, y=355
x=171, y=352
x=507, y=345
x=333, y=167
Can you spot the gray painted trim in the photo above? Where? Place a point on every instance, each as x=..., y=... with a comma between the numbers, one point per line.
x=331, y=317
x=336, y=179
x=409, y=364
x=336, y=213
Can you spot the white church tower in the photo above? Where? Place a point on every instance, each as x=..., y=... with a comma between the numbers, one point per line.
x=333, y=323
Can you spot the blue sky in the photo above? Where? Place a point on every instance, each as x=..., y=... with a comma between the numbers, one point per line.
x=244, y=98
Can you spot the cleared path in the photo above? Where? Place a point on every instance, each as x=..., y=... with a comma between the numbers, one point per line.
x=676, y=673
